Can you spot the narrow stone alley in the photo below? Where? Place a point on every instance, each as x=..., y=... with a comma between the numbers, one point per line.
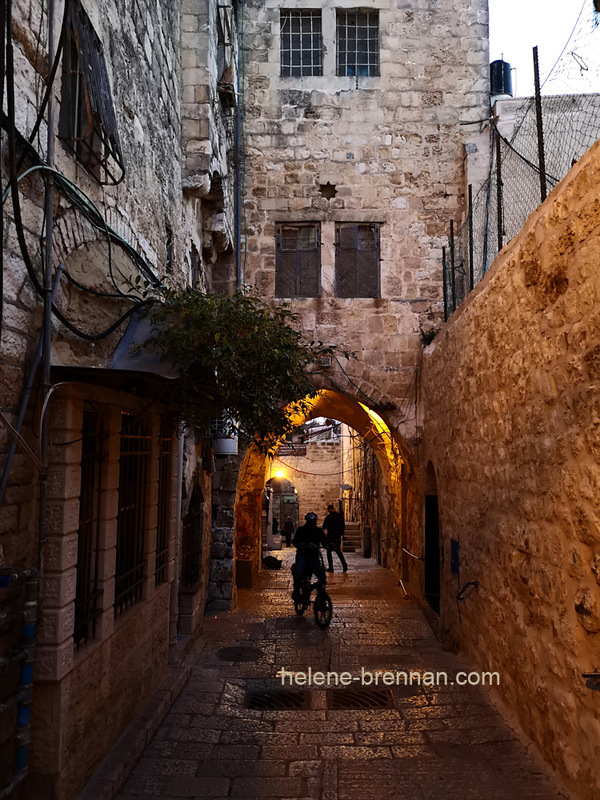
x=427, y=743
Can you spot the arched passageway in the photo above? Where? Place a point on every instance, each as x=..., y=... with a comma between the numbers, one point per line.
x=400, y=486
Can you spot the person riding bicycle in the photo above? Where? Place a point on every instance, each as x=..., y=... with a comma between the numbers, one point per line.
x=307, y=540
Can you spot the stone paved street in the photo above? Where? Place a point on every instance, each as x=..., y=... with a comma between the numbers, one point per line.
x=435, y=744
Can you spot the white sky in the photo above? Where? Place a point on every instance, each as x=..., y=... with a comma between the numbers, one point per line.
x=516, y=26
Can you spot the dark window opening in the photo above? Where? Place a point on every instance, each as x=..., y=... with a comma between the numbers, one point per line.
x=191, y=542
x=301, y=45
x=164, y=503
x=298, y=262
x=168, y=250
x=87, y=123
x=86, y=593
x=357, y=260
x=131, y=517
x=358, y=43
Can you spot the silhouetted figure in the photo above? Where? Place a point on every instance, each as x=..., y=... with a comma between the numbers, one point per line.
x=335, y=526
x=288, y=531
x=307, y=541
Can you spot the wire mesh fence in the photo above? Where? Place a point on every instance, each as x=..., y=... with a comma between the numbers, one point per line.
x=546, y=136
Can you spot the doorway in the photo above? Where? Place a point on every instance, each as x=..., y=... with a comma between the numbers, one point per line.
x=432, y=541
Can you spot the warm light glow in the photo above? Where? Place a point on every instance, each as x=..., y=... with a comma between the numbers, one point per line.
x=280, y=474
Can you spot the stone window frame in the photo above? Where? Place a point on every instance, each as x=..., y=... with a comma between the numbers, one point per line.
x=366, y=33
x=56, y=647
x=87, y=120
x=281, y=250
x=310, y=59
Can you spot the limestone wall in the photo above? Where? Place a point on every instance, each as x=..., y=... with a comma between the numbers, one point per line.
x=512, y=427
x=316, y=476
x=394, y=148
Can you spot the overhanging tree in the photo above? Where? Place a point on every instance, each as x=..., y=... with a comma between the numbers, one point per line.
x=235, y=354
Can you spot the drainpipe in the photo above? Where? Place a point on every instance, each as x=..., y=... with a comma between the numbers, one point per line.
x=238, y=152
x=174, y=601
x=47, y=294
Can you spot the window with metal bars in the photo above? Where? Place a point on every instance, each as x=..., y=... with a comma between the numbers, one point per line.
x=357, y=259
x=191, y=542
x=164, y=503
x=86, y=593
x=298, y=260
x=358, y=43
x=131, y=517
x=301, y=45
x=87, y=123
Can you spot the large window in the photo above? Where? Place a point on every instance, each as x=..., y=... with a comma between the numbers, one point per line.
x=358, y=43
x=131, y=518
x=87, y=122
x=301, y=43
x=87, y=607
x=298, y=264
x=163, y=509
x=357, y=259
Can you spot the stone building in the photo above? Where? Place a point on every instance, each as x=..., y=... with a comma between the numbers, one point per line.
x=362, y=130
x=112, y=541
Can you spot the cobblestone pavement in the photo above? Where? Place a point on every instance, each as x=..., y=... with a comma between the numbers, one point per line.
x=435, y=743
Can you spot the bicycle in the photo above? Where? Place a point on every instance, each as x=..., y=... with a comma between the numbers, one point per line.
x=322, y=605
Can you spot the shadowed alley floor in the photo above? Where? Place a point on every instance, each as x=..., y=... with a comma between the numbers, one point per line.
x=435, y=743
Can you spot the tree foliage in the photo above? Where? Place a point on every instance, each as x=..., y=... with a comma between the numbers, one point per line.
x=235, y=354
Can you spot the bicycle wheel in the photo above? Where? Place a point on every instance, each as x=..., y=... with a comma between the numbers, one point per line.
x=323, y=608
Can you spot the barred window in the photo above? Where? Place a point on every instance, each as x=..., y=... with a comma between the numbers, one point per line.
x=87, y=123
x=301, y=44
x=298, y=263
x=358, y=43
x=86, y=593
x=164, y=503
x=131, y=517
x=357, y=260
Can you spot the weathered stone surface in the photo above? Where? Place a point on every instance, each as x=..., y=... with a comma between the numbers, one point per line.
x=512, y=437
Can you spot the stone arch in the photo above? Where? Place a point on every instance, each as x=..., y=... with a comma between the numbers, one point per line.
x=395, y=460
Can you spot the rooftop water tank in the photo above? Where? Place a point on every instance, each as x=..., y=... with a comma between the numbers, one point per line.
x=500, y=79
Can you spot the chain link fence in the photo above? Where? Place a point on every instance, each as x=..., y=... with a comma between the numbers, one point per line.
x=547, y=136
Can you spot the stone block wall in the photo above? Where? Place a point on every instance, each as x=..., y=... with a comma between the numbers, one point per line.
x=316, y=476
x=512, y=422
x=394, y=148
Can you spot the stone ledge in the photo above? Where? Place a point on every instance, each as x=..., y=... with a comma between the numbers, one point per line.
x=114, y=770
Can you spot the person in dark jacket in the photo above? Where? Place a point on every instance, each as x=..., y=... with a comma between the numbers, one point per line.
x=307, y=541
x=288, y=531
x=335, y=526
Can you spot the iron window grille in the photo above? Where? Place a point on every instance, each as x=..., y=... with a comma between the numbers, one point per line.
x=164, y=504
x=357, y=260
x=86, y=592
x=131, y=517
x=191, y=542
x=301, y=43
x=358, y=43
x=87, y=123
x=298, y=260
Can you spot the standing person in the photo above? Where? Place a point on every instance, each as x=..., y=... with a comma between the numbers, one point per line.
x=288, y=531
x=334, y=525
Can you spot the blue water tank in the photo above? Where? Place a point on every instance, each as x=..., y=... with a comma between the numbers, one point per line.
x=500, y=78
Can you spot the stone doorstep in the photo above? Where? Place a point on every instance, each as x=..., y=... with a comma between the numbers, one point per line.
x=114, y=770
